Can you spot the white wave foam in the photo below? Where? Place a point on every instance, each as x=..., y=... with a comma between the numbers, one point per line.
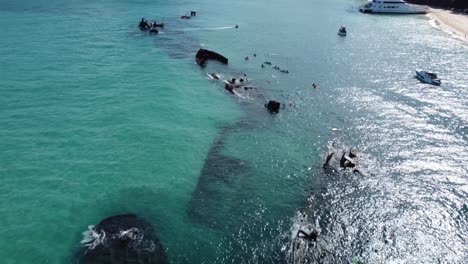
x=132, y=233
x=92, y=238
x=134, y=237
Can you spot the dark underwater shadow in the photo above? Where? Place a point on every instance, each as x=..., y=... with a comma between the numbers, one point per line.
x=216, y=181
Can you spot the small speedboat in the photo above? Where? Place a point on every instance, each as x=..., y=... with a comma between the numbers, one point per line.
x=342, y=31
x=428, y=77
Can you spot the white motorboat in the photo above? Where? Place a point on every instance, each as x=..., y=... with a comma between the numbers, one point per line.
x=342, y=31
x=392, y=7
x=428, y=77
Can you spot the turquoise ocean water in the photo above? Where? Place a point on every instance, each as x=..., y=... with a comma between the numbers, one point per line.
x=98, y=118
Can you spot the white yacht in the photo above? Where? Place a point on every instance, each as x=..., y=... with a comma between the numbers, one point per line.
x=392, y=7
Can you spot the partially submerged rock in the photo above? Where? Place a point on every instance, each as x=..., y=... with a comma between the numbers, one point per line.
x=346, y=161
x=203, y=55
x=273, y=106
x=122, y=239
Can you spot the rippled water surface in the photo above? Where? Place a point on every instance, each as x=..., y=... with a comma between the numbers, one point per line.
x=98, y=118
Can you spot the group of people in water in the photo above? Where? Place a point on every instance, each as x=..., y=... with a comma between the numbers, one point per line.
x=144, y=25
x=274, y=67
x=269, y=63
x=237, y=83
x=241, y=80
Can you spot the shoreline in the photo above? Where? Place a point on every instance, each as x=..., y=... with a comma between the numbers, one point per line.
x=453, y=23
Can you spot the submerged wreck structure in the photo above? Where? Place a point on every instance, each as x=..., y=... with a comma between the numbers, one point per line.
x=203, y=55
x=346, y=161
x=273, y=106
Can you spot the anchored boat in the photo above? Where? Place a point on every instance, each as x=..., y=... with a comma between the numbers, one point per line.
x=392, y=7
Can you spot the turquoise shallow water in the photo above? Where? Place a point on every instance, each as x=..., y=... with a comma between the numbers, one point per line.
x=98, y=118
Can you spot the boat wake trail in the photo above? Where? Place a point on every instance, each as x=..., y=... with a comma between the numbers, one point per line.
x=198, y=29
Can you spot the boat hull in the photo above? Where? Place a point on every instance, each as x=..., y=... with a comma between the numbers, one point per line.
x=367, y=11
x=426, y=79
x=392, y=7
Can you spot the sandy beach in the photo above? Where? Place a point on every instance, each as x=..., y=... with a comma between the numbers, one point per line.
x=454, y=23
